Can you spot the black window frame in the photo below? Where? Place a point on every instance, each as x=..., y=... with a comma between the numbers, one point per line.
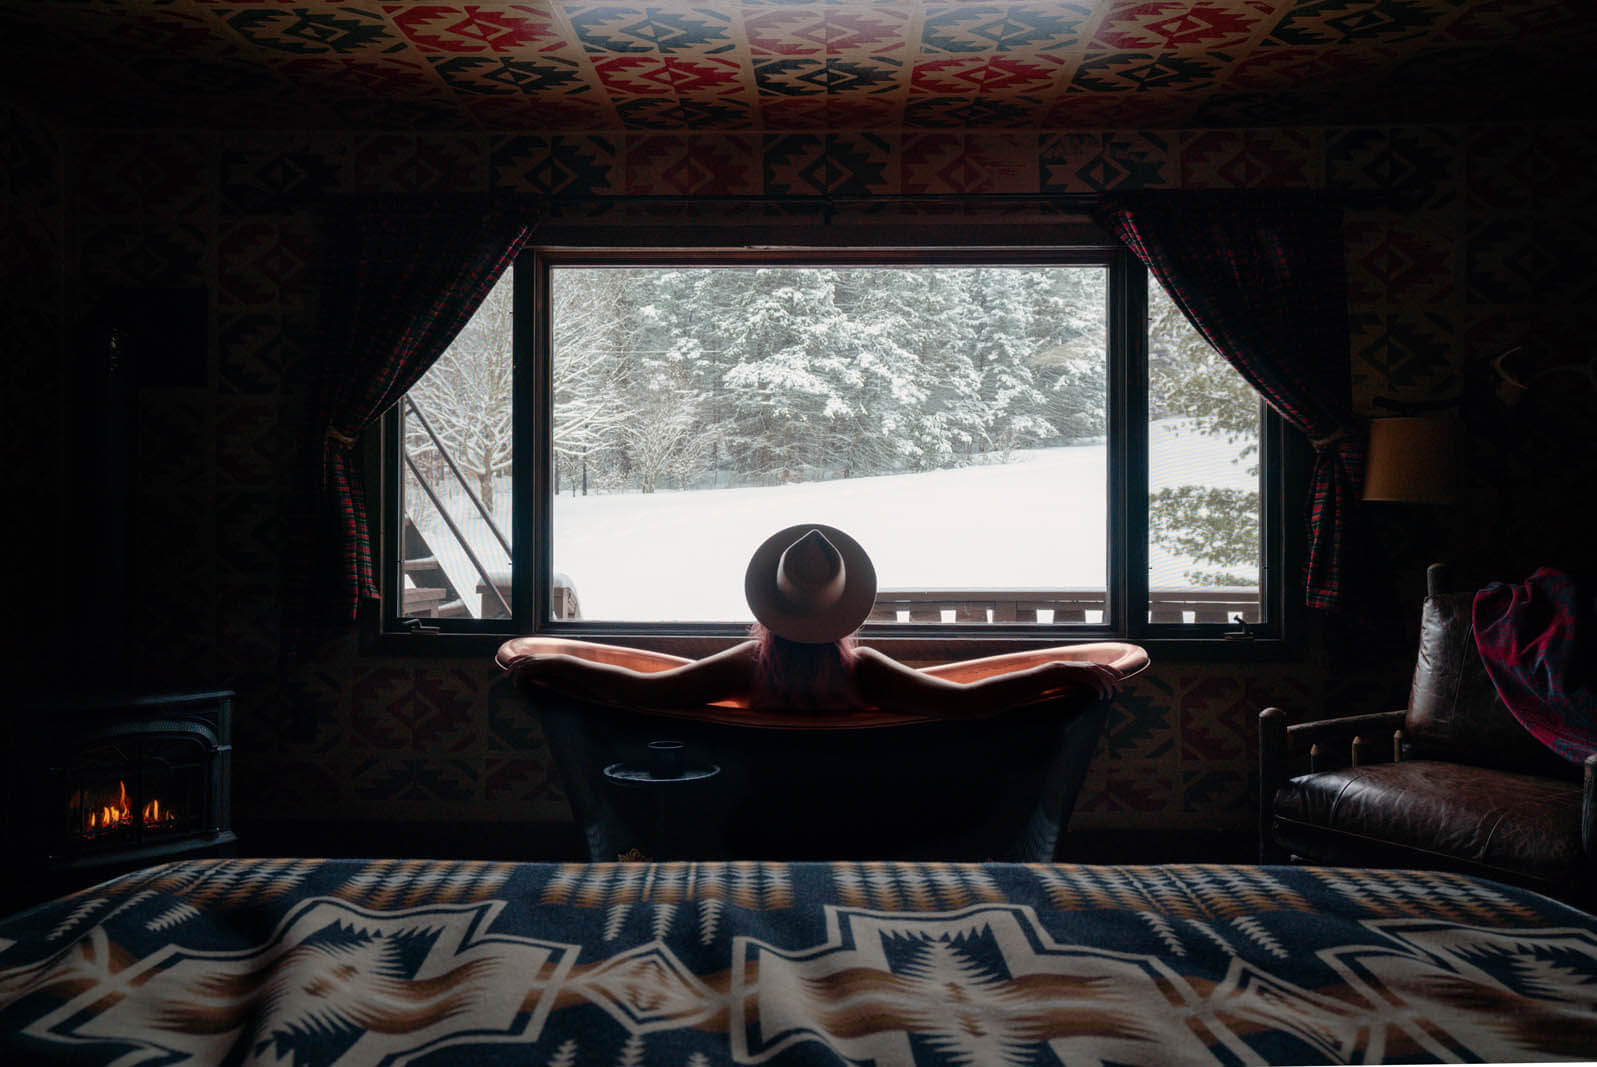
x=1283, y=460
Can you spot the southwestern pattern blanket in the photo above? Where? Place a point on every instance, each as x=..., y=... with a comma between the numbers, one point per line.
x=335, y=961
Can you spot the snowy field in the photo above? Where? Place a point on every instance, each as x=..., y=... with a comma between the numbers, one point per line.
x=1035, y=522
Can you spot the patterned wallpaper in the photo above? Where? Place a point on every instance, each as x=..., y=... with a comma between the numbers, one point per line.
x=1472, y=260
x=730, y=65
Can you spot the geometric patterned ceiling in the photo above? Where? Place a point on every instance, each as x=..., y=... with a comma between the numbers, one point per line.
x=737, y=65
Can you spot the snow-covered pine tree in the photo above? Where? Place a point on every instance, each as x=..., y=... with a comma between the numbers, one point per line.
x=1014, y=406
x=789, y=381
x=1188, y=379
x=950, y=424
x=1070, y=344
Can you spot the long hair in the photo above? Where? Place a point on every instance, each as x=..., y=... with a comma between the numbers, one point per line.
x=794, y=674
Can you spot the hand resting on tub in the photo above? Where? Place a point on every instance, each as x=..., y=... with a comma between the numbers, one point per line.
x=810, y=587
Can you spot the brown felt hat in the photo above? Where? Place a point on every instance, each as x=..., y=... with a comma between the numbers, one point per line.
x=810, y=583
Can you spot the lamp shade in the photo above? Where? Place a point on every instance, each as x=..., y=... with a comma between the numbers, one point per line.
x=1412, y=458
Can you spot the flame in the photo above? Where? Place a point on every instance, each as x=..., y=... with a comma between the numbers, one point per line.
x=119, y=813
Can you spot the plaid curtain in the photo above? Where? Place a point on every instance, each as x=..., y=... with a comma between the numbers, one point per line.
x=1262, y=278
x=407, y=276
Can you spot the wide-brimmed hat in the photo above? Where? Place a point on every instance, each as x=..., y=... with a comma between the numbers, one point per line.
x=810, y=583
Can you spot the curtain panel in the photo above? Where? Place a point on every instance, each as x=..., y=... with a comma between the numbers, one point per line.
x=406, y=276
x=1262, y=277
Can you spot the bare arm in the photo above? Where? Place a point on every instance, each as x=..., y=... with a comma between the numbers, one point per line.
x=892, y=686
x=718, y=677
x=643, y=660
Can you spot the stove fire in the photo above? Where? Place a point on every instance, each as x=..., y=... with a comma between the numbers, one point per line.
x=108, y=783
x=108, y=815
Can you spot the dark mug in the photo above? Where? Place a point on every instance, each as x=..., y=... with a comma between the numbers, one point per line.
x=665, y=759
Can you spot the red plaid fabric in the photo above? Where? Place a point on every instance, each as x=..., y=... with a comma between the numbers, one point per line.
x=408, y=276
x=1262, y=278
x=1538, y=642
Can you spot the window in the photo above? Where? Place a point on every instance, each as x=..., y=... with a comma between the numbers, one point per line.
x=1032, y=443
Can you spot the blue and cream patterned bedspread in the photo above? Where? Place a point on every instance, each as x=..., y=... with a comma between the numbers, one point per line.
x=317, y=961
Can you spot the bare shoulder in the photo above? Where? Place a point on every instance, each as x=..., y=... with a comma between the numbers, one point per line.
x=745, y=650
x=876, y=669
x=872, y=660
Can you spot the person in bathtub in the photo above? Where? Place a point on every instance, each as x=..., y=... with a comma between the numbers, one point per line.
x=810, y=587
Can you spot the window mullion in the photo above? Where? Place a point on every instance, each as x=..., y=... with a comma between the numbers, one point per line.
x=1128, y=444
x=532, y=399
x=391, y=580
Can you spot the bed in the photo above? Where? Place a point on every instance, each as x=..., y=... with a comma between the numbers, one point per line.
x=305, y=961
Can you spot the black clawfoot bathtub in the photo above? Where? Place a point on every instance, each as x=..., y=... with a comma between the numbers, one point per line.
x=824, y=785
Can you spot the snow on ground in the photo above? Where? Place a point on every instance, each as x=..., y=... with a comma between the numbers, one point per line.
x=1035, y=522
x=682, y=555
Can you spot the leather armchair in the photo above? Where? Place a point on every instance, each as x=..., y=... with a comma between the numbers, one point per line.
x=1451, y=782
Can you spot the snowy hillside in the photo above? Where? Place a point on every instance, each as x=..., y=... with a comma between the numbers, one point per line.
x=1036, y=522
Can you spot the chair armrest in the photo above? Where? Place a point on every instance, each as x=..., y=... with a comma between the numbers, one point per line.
x=1588, y=810
x=1334, y=738
x=1283, y=748
x=1272, y=773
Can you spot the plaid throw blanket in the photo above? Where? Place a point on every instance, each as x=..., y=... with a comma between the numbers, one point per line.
x=1538, y=640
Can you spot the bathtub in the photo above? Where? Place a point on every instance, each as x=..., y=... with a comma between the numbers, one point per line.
x=729, y=782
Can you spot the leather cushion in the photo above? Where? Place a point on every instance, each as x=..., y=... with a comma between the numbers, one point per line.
x=1520, y=825
x=1454, y=711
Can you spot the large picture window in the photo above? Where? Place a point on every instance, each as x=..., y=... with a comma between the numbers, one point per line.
x=1028, y=442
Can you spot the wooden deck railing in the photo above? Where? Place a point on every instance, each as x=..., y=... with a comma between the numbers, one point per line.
x=563, y=598
x=1058, y=605
x=997, y=606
